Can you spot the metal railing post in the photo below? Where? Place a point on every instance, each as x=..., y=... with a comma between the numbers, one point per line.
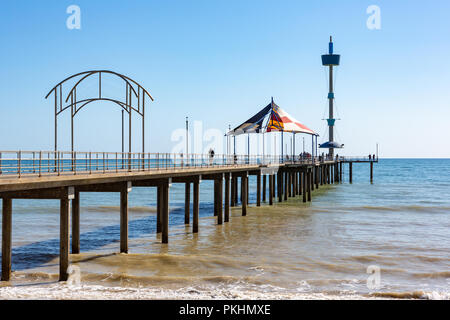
x=40, y=162
x=19, y=156
x=74, y=163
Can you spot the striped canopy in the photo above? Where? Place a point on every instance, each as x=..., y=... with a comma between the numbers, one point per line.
x=278, y=120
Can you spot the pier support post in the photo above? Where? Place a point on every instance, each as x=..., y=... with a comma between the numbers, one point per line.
x=321, y=175
x=187, y=202
x=271, y=189
x=219, y=200
x=371, y=172
x=248, y=189
x=305, y=187
x=165, y=213
x=332, y=174
x=242, y=189
x=309, y=183
x=236, y=191
x=215, y=197
x=286, y=185
x=233, y=191
x=196, y=207
x=300, y=183
x=64, y=213
x=124, y=221
x=312, y=177
x=244, y=183
x=295, y=183
x=264, y=188
x=317, y=177
x=340, y=171
x=280, y=186
x=158, y=208
x=76, y=223
x=350, y=172
x=337, y=173
x=258, y=189
x=6, y=238
x=329, y=174
x=227, y=197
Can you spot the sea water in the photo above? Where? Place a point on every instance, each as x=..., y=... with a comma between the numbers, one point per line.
x=389, y=239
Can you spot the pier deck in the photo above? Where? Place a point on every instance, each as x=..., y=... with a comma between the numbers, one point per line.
x=29, y=175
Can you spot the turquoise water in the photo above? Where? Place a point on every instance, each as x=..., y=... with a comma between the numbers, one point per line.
x=399, y=224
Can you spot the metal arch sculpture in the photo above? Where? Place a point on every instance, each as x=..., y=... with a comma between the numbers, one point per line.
x=76, y=105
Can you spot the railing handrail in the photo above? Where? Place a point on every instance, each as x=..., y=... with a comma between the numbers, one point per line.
x=43, y=163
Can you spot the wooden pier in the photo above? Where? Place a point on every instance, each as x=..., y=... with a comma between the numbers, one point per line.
x=55, y=175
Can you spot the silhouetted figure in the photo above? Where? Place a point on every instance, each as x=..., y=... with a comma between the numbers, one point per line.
x=211, y=156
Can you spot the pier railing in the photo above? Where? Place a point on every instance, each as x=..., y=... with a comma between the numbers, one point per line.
x=44, y=163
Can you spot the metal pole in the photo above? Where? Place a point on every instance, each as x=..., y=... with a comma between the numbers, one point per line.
x=331, y=115
x=56, y=121
x=187, y=138
x=143, y=122
x=293, y=146
x=248, y=148
x=123, y=150
x=129, y=121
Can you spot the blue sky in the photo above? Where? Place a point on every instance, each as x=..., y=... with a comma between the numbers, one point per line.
x=219, y=62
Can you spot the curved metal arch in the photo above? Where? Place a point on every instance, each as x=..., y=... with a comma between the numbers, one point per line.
x=91, y=72
x=116, y=102
x=126, y=106
x=123, y=105
x=100, y=72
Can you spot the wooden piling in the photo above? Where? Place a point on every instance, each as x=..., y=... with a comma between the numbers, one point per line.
x=124, y=221
x=6, y=238
x=220, y=200
x=332, y=174
x=215, y=197
x=76, y=223
x=286, y=185
x=196, y=207
x=321, y=175
x=236, y=191
x=280, y=186
x=309, y=176
x=258, y=189
x=242, y=189
x=271, y=189
x=305, y=187
x=64, y=213
x=264, y=188
x=233, y=192
x=300, y=183
x=317, y=175
x=227, y=197
x=248, y=189
x=350, y=173
x=158, y=209
x=244, y=183
x=187, y=202
x=371, y=172
x=295, y=183
x=165, y=213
